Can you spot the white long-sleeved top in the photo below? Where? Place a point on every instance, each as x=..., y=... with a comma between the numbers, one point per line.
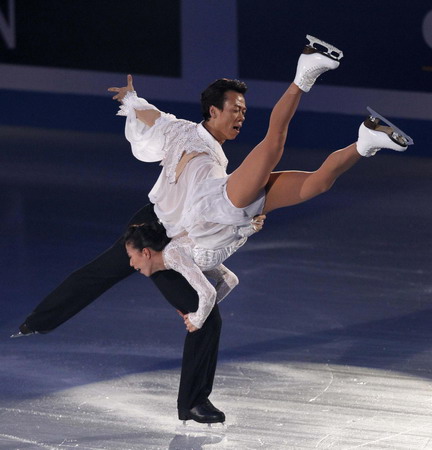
x=195, y=204
x=177, y=255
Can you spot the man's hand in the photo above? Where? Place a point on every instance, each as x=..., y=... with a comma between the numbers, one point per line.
x=191, y=328
x=121, y=92
x=258, y=222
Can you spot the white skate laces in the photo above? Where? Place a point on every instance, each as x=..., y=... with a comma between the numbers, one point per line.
x=373, y=136
x=317, y=57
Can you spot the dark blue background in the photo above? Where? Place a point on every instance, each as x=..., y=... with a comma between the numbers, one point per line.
x=136, y=36
x=385, y=41
x=383, y=44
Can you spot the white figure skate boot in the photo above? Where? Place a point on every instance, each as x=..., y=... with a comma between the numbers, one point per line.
x=373, y=136
x=317, y=57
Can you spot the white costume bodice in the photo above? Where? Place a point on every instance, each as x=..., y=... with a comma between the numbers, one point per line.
x=195, y=203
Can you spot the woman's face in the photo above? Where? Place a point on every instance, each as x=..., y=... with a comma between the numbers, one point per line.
x=140, y=260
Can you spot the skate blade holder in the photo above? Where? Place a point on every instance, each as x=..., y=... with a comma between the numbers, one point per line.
x=325, y=48
x=19, y=334
x=215, y=425
x=196, y=429
x=397, y=134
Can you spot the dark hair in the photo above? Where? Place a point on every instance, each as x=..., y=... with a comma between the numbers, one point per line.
x=214, y=95
x=147, y=235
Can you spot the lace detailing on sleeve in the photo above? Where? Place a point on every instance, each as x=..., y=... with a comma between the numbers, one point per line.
x=176, y=258
x=168, y=138
x=226, y=281
x=131, y=101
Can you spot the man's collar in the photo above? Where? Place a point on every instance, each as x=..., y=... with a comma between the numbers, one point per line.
x=217, y=150
x=206, y=135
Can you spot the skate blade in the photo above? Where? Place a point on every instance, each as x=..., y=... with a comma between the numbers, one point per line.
x=398, y=132
x=330, y=50
x=19, y=334
x=199, y=428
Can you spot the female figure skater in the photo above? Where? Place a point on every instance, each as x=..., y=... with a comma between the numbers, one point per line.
x=195, y=197
x=150, y=250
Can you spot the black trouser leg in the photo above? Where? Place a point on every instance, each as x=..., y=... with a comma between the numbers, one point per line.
x=200, y=348
x=200, y=354
x=86, y=284
x=80, y=289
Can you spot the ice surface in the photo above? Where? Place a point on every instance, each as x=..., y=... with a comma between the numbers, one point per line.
x=326, y=342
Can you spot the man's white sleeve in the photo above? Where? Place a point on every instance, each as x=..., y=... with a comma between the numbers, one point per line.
x=147, y=142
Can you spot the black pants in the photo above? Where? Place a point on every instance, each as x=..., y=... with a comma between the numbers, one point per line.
x=90, y=281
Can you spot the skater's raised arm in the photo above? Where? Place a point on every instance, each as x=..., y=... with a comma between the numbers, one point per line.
x=145, y=126
x=176, y=258
x=121, y=92
x=226, y=280
x=144, y=111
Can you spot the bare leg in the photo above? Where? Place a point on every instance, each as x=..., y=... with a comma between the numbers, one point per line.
x=293, y=187
x=253, y=174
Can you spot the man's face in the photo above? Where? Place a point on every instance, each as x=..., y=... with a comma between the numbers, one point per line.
x=226, y=123
x=139, y=260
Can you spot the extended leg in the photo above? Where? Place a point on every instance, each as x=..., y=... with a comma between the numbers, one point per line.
x=84, y=285
x=252, y=175
x=292, y=187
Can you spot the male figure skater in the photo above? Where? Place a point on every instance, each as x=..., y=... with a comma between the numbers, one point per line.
x=87, y=283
